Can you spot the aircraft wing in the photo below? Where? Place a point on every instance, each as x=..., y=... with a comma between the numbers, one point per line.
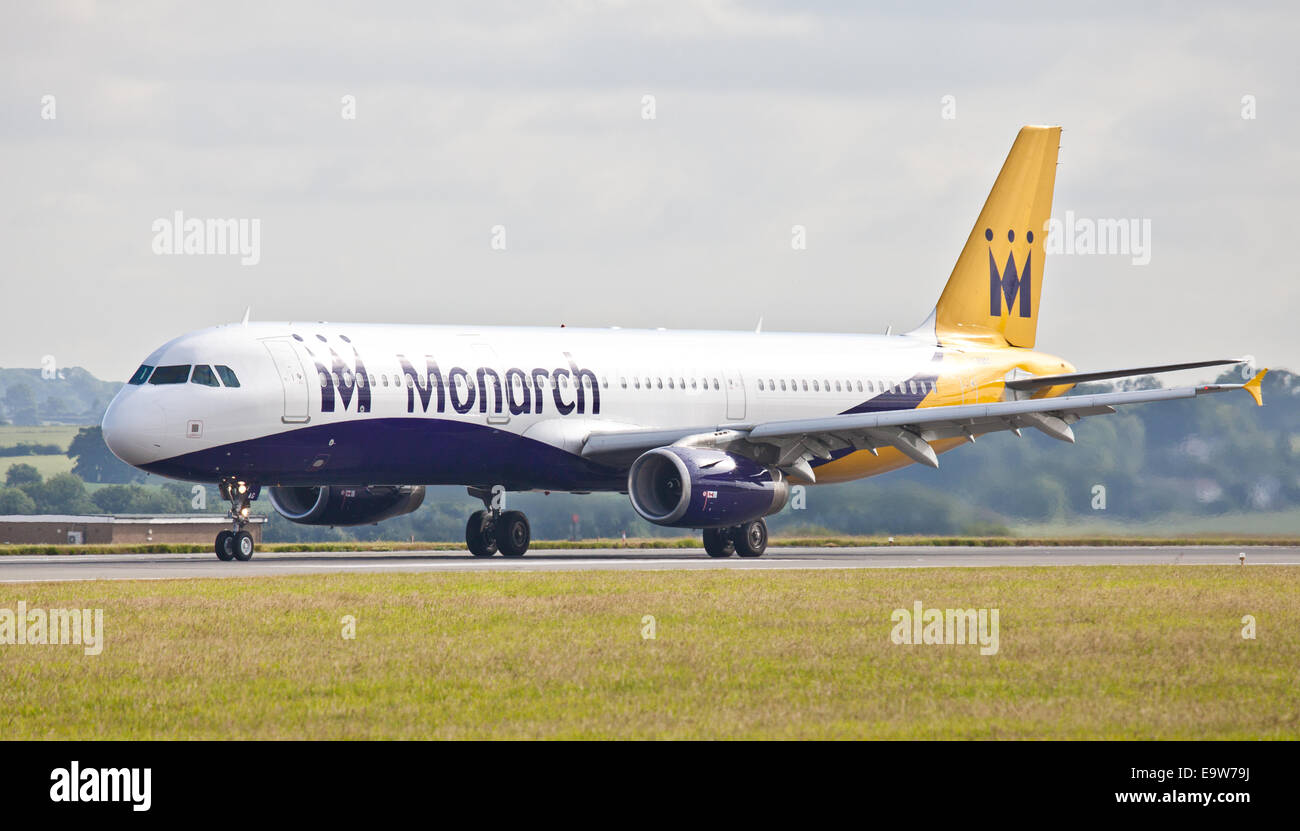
x=792, y=444
x=1036, y=381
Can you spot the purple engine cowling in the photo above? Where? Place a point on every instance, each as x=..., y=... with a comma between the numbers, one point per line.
x=696, y=487
x=334, y=505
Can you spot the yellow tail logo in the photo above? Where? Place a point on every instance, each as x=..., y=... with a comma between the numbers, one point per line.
x=994, y=289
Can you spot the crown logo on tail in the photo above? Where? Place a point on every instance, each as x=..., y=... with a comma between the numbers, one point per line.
x=1010, y=283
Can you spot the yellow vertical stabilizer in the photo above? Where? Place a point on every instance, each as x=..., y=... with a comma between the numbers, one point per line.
x=993, y=292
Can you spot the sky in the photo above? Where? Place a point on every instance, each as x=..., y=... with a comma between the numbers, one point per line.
x=877, y=129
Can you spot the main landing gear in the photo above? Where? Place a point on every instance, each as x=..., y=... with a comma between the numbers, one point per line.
x=494, y=530
x=237, y=543
x=748, y=539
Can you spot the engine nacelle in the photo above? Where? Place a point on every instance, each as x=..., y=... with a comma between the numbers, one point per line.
x=695, y=487
x=345, y=506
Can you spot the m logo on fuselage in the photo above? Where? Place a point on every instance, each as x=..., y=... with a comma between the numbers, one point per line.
x=340, y=381
x=1009, y=283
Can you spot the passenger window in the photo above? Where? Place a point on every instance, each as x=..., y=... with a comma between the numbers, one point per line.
x=760, y=384
x=815, y=388
x=805, y=386
x=204, y=375
x=622, y=381
x=715, y=384
x=141, y=375
x=170, y=374
x=782, y=385
x=227, y=375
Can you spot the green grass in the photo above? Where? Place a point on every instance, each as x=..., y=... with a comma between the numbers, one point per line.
x=1282, y=523
x=47, y=465
x=60, y=434
x=1132, y=652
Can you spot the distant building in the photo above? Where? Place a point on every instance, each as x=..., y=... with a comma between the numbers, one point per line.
x=64, y=529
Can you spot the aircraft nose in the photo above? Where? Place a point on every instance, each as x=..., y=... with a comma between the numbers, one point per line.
x=133, y=428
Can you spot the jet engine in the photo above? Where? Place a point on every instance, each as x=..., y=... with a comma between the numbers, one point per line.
x=695, y=487
x=345, y=505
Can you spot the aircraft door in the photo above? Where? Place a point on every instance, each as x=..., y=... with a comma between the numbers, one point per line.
x=297, y=393
x=735, y=385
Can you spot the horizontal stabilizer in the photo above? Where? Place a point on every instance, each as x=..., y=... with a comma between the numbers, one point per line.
x=1081, y=377
x=1253, y=387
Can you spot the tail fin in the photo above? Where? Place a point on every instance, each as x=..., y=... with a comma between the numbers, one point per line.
x=992, y=294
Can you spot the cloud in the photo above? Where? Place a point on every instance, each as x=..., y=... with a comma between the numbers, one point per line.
x=529, y=116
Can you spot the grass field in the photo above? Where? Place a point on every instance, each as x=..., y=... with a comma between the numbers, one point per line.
x=1123, y=652
x=1284, y=523
x=60, y=434
x=47, y=465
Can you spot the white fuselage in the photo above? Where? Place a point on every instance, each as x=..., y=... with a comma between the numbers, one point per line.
x=353, y=394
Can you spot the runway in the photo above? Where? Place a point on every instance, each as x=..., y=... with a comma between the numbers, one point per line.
x=22, y=569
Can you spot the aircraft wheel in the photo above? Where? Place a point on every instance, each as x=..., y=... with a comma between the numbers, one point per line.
x=751, y=538
x=241, y=545
x=717, y=542
x=481, y=541
x=513, y=534
x=224, y=546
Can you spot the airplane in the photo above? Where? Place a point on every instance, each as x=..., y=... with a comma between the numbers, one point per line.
x=346, y=424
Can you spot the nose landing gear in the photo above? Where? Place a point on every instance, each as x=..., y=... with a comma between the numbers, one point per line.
x=237, y=543
x=493, y=529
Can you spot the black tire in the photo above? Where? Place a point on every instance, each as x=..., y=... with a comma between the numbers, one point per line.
x=225, y=550
x=717, y=542
x=241, y=545
x=480, y=539
x=513, y=534
x=751, y=538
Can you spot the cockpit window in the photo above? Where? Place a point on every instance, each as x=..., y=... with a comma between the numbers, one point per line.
x=204, y=375
x=141, y=375
x=227, y=375
x=170, y=374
